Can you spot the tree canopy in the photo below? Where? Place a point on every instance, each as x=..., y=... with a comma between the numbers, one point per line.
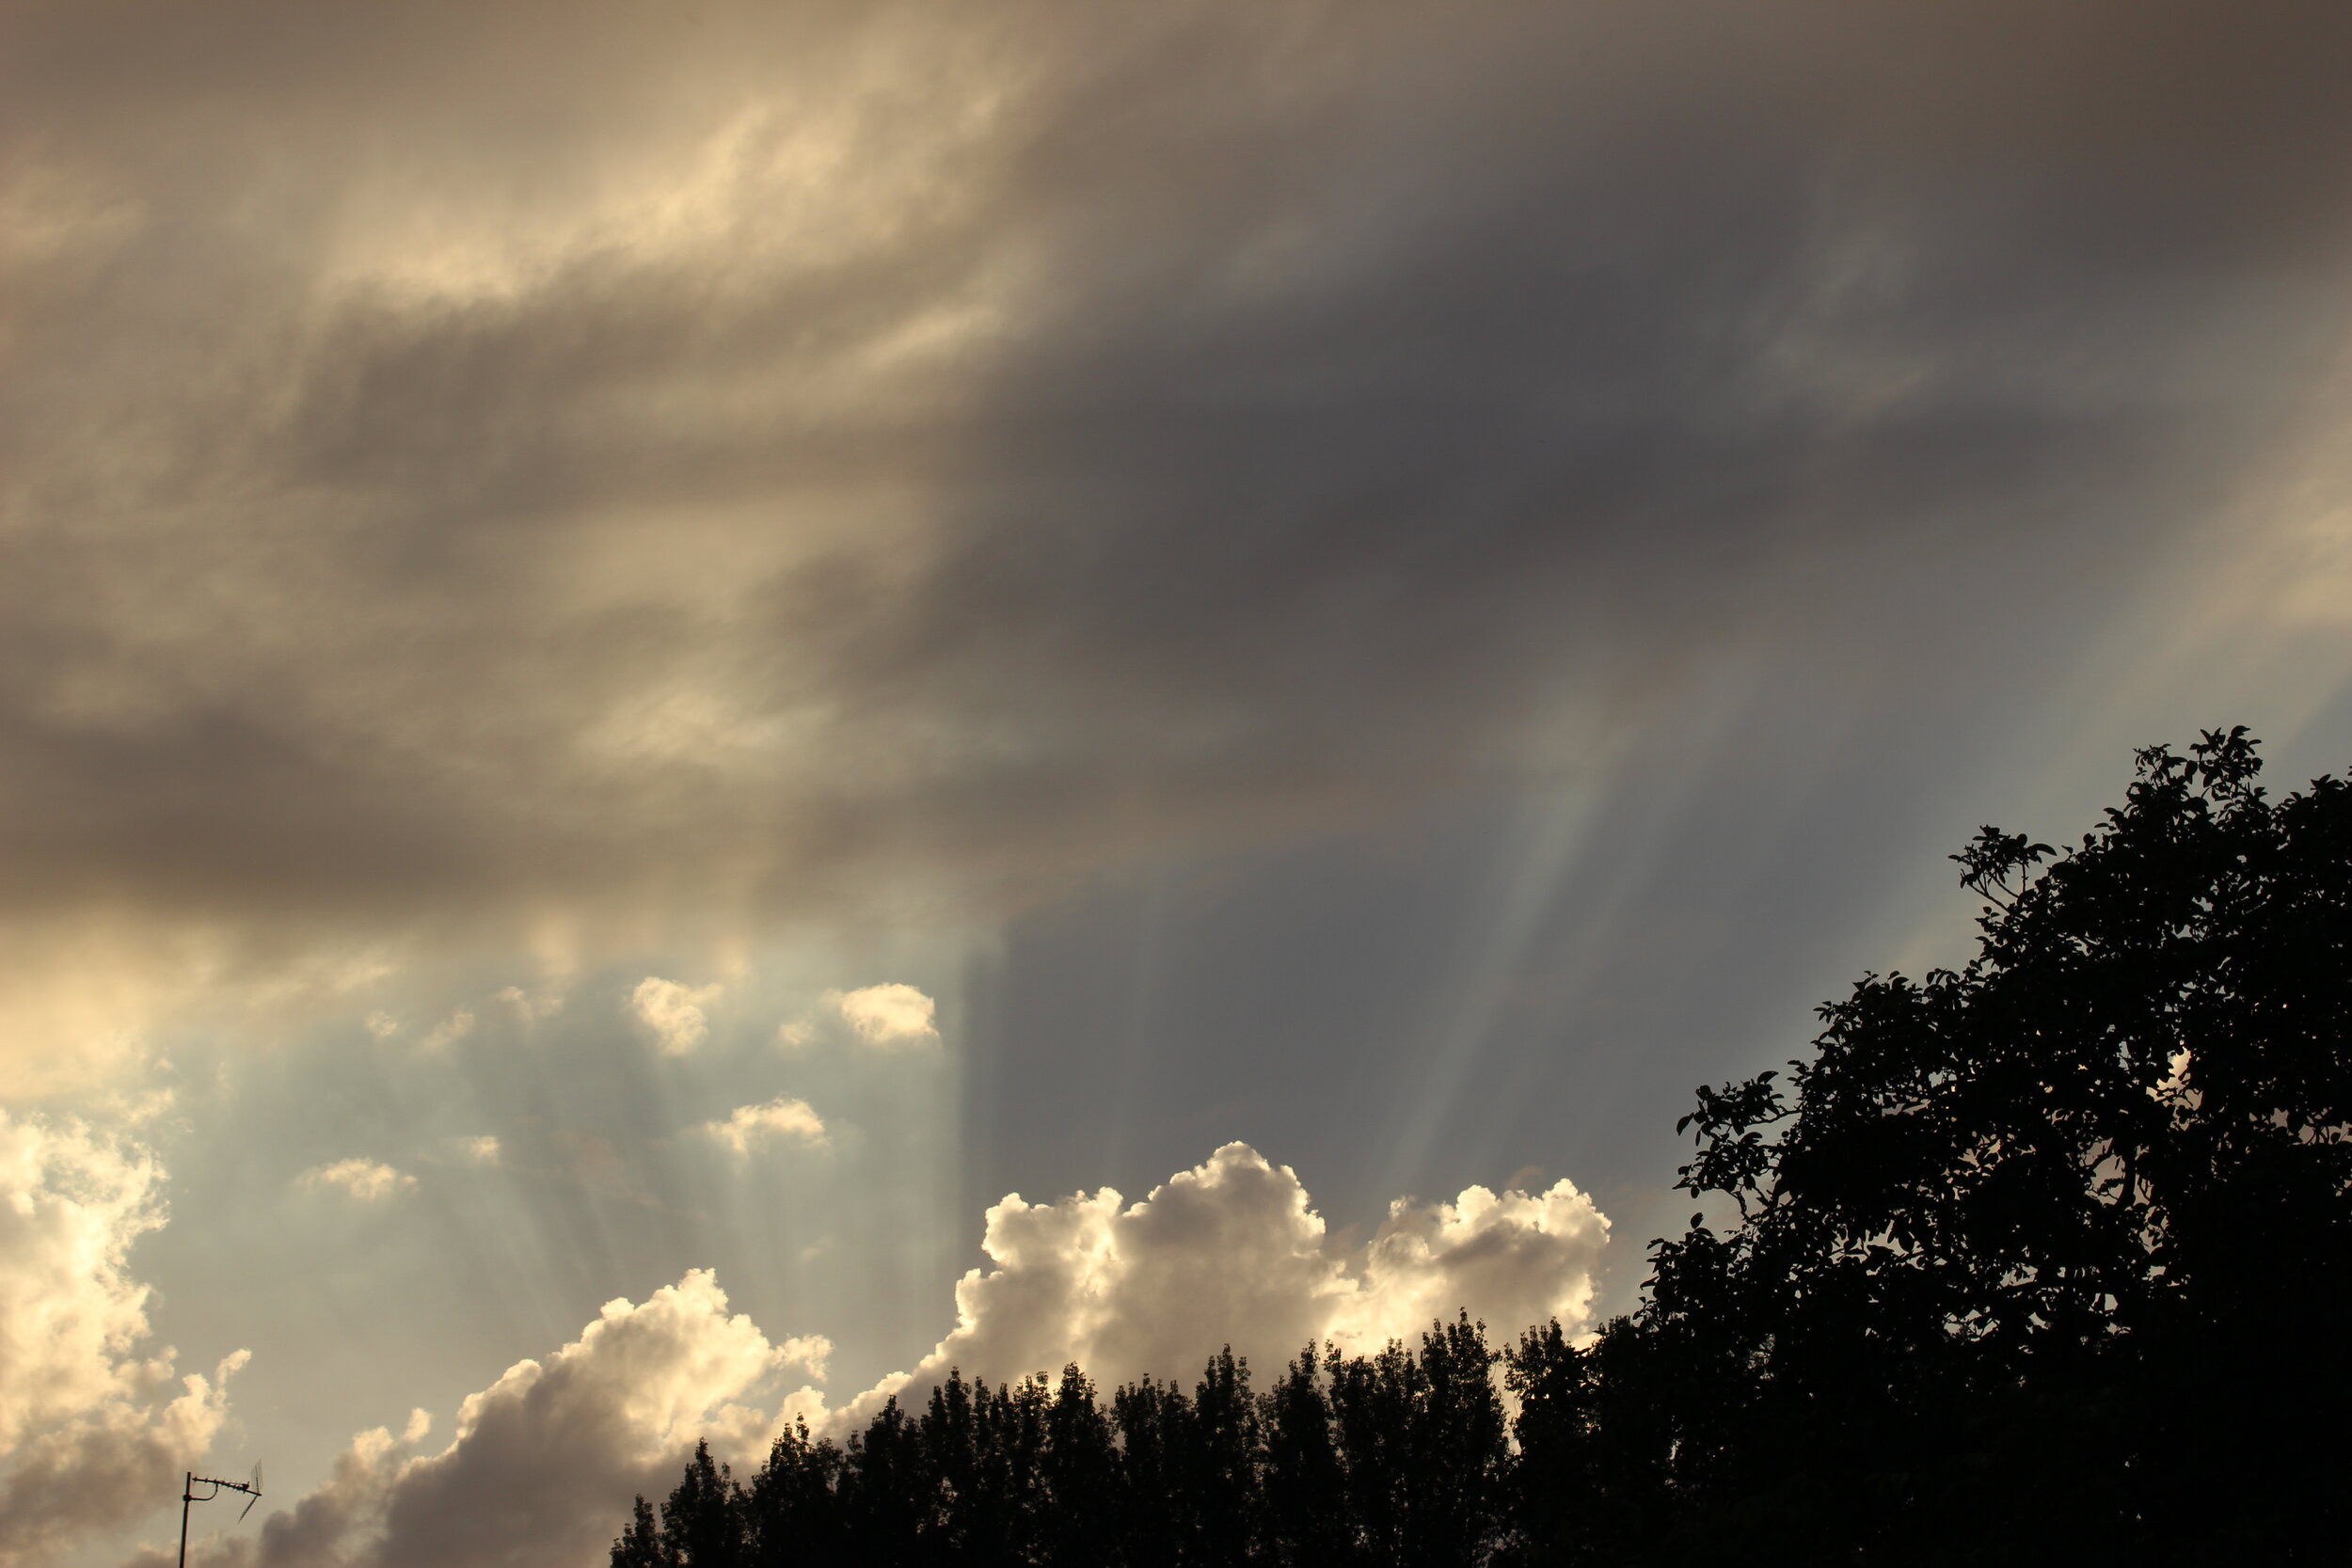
x=1397, y=1457
x=2039, y=1256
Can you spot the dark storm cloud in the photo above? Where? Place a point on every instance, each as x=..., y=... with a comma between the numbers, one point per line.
x=481, y=459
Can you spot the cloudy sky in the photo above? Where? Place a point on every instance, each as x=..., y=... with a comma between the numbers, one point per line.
x=706, y=704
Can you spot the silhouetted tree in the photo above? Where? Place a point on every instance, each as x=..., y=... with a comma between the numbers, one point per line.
x=640, y=1542
x=890, y=1497
x=1221, y=1470
x=1155, y=1423
x=2038, y=1244
x=1421, y=1444
x=794, y=1508
x=1012, y=1525
x=1308, y=1524
x=954, y=1518
x=1372, y=1401
x=1457, y=1491
x=1080, y=1470
x=702, y=1524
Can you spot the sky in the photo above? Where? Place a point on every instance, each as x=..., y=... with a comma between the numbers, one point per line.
x=706, y=706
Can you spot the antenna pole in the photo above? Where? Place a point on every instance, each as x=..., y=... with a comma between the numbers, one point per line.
x=252, y=1489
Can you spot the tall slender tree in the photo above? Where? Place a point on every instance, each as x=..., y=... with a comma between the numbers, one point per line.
x=1080, y=1469
x=702, y=1523
x=1307, y=1523
x=1222, y=1468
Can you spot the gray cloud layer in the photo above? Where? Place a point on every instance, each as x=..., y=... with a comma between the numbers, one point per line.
x=518, y=459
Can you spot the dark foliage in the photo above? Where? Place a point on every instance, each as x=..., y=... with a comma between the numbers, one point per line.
x=1392, y=1458
x=2041, y=1258
x=2036, y=1260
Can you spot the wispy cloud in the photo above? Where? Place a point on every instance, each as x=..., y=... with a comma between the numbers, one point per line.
x=455, y=1027
x=891, y=1016
x=673, y=1013
x=368, y=1180
x=749, y=1126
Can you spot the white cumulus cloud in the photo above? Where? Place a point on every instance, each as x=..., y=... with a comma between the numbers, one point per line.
x=91, y=1430
x=750, y=1126
x=673, y=1012
x=1511, y=1260
x=369, y=1181
x=888, y=1017
x=545, y=1460
x=1233, y=1252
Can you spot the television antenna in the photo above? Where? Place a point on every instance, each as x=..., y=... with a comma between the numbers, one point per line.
x=252, y=1490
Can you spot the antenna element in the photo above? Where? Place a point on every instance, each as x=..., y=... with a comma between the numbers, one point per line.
x=252, y=1490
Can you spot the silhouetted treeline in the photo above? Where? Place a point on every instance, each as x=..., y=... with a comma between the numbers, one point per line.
x=2042, y=1259
x=1398, y=1457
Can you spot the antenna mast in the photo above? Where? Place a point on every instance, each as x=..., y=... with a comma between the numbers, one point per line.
x=252, y=1490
